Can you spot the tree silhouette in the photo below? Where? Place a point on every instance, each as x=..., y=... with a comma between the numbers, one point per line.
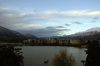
x=93, y=54
x=63, y=59
x=10, y=56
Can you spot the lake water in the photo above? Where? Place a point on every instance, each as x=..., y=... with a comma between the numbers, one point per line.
x=35, y=55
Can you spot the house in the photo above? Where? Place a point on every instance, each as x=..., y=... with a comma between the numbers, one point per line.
x=75, y=42
x=25, y=41
x=65, y=42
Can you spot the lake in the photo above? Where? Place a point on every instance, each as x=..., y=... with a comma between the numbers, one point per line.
x=35, y=55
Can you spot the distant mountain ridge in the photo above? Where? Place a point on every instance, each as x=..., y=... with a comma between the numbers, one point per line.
x=85, y=33
x=28, y=35
x=90, y=34
x=7, y=33
x=90, y=31
x=93, y=29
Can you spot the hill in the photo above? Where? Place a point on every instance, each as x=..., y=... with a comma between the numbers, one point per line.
x=8, y=33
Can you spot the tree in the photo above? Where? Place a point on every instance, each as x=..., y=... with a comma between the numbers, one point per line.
x=63, y=59
x=93, y=54
x=10, y=56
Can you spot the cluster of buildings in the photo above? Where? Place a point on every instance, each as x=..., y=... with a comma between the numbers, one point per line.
x=47, y=42
x=55, y=41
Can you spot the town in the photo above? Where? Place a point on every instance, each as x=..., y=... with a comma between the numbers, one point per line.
x=45, y=42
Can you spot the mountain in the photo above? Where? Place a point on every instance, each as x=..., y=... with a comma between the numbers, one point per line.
x=94, y=29
x=90, y=34
x=7, y=33
x=30, y=36
x=91, y=31
x=85, y=33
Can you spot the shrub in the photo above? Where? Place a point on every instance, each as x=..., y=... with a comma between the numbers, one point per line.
x=63, y=59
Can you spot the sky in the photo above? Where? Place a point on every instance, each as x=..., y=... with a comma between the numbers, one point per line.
x=45, y=18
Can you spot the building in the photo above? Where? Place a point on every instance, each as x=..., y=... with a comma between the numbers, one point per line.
x=75, y=42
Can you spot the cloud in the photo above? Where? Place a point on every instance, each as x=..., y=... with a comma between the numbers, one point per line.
x=45, y=32
x=59, y=26
x=94, y=19
x=4, y=10
x=81, y=13
x=28, y=26
x=67, y=24
x=19, y=19
x=13, y=16
x=71, y=23
x=93, y=13
x=75, y=23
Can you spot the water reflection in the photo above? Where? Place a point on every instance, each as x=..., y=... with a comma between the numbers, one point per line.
x=35, y=55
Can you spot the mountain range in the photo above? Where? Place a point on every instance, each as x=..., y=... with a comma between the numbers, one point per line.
x=90, y=34
x=8, y=33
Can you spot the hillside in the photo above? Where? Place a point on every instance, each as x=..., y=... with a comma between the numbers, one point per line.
x=8, y=33
x=90, y=34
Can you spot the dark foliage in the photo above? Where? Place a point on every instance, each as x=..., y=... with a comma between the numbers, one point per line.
x=10, y=56
x=93, y=53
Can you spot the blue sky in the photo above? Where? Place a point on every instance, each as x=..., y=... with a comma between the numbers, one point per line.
x=49, y=17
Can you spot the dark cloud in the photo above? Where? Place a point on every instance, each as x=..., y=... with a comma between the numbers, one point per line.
x=67, y=24
x=71, y=23
x=76, y=23
x=45, y=32
x=50, y=27
x=95, y=18
x=60, y=27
